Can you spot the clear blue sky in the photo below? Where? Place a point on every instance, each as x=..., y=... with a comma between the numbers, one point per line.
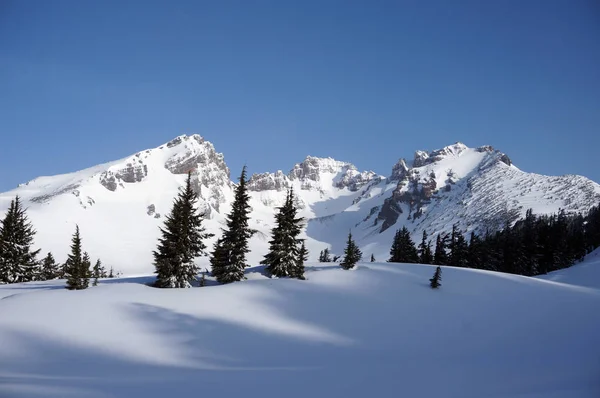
x=269, y=82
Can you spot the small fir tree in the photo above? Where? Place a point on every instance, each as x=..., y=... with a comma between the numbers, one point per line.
x=352, y=254
x=98, y=272
x=50, y=269
x=325, y=256
x=111, y=273
x=75, y=270
x=302, y=257
x=437, y=277
x=372, y=258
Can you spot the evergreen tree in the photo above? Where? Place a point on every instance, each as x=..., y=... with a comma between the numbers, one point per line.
x=98, y=272
x=50, y=269
x=86, y=270
x=403, y=248
x=284, y=245
x=233, y=245
x=181, y=241
x=425, y=255
x=18, y=262
x=111, y=273
x=437, y=277
x=372, y=258
x=475, y=253
x=440, y=257
x=325, y=257
x=352, y=254
x=458, y=248
x=302, y=257
x=75, y=267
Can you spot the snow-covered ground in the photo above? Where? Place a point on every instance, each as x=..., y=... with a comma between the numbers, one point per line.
x=377, y=331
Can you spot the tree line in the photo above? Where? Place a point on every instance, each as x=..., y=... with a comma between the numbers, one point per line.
x=534, y=245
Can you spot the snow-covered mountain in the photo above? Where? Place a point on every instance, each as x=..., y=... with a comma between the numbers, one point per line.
x=120, y=205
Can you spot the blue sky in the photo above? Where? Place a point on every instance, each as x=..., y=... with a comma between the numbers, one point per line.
x=269, y=82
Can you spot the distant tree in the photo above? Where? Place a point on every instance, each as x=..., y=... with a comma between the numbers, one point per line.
x=18, y=262
x=475, y=253
x=98, y=272
x=437, y=277
x=302, y=257
x=86, y=270
x=284, y=246
x=233, y=246
x=76, y=268
x=324, y=257
x=111, y=273
x=440, y=257
x=335, y=259
x=403, y=249
x=50, y=269
x=459, y=249
x=425, y=255
x=372, y=258
x=181, y=241
x=352, y=254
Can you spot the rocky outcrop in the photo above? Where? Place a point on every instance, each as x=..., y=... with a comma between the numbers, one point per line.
x=268, y=182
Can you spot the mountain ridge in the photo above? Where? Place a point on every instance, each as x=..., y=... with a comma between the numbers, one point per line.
x=124, y=201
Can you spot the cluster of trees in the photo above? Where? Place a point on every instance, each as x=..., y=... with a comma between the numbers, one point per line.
x=532, y=246
x=20, y=263
x=182, y=241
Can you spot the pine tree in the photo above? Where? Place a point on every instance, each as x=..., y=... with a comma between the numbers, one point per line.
x=372, y=258
x=425, y=255
x=230, y=253
x=98, y=272
x=284, y=245
x=302, y=257
x=403, y=249
x=18, y=262
x=475, y=252
x=75, y=270
x=352, y=254
x=458, y=248
x=437, y=277
x=50, y=269
x=181, y=241
x=111, y=273
x=325, y=257
x=440, y=257
x=86, y=270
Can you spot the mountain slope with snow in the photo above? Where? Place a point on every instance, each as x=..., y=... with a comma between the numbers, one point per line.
x=378, y=330
x=120, y=205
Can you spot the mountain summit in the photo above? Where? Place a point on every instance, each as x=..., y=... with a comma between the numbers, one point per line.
x=120, y=205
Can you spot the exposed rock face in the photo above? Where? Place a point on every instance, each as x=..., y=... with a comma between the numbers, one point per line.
x=130, y=174
x=269, y=181
x=310, y=174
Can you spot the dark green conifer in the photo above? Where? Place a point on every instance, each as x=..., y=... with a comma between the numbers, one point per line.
x=50, y=269
x=425, y=255
x=75, y=268
x=228, y=258
x=181, y=241
x=18, y=263
x=352, y=254
x=284, y=245
x=437, y=277
x=403, y=248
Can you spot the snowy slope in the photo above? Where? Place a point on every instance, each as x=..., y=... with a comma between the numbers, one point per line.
x=377, y=331
x=586, y=273
x=120, y=205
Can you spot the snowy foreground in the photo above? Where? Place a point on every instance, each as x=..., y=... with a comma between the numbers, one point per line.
x=377, y=331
